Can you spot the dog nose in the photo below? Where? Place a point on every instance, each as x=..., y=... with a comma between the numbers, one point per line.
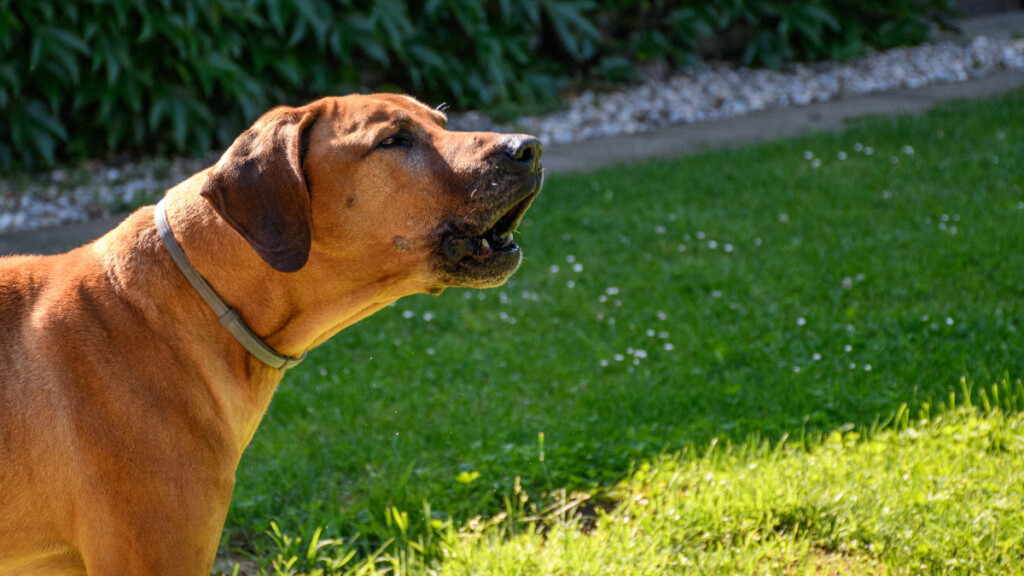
x=524, y=149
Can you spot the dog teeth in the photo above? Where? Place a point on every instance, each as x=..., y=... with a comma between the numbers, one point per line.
x=485, y=244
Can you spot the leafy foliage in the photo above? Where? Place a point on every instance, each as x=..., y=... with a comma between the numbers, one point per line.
x=100, y=76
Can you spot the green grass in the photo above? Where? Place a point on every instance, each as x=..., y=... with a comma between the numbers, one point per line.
x=939, y=497
x=742, y=295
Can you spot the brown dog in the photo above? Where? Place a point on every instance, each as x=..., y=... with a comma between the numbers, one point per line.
x=125, y=405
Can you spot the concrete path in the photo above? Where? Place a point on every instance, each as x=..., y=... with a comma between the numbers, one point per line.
x=767, y=125
x=56, y=239
x=674, y=140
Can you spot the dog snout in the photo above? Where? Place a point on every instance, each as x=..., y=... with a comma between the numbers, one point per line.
x=523, y=150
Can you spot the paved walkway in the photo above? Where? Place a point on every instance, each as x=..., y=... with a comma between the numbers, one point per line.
x=767, y=125
x=677, y=140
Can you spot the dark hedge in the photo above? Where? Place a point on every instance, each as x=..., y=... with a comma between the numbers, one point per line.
x=89, y=78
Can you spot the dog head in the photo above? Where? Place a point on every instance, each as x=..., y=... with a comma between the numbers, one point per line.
x=377, y=185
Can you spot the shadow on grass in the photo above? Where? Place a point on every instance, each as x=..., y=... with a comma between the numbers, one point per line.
x=785, y=289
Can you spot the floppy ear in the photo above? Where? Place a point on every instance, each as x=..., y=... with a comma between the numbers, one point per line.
x=258, y=187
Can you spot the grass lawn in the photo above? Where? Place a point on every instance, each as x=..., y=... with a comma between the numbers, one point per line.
x=804, y=289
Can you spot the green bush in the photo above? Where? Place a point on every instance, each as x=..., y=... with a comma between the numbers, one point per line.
x=767, y=33
x=96, y=77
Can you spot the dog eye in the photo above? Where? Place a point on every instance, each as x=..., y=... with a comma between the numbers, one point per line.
x=395, y=141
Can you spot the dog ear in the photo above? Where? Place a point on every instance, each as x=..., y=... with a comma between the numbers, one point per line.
x=258, y=187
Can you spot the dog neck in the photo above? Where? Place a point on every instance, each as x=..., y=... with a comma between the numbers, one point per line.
x=227, y=315
x=291, y=312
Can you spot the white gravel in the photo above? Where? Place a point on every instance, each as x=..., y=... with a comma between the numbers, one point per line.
x=88, y=191
x=715, y=91
x=723, y=91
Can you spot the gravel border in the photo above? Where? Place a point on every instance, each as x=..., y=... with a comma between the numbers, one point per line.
x=715, y=91
x=722, y=91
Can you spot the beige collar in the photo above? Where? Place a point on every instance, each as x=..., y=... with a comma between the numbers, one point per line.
x=228, y=316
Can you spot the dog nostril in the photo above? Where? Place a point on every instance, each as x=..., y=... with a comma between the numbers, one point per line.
x=526, y=154
x=527, y=150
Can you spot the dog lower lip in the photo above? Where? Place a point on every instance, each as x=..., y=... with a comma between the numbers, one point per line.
x=495, y=241
x=479, y=248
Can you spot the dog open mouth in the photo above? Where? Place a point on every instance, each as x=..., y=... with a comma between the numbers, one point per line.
x=496, y=242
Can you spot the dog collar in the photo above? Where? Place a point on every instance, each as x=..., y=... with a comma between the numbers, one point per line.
x=227, y=316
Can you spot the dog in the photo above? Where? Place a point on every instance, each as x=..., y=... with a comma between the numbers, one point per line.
x=135, y=369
